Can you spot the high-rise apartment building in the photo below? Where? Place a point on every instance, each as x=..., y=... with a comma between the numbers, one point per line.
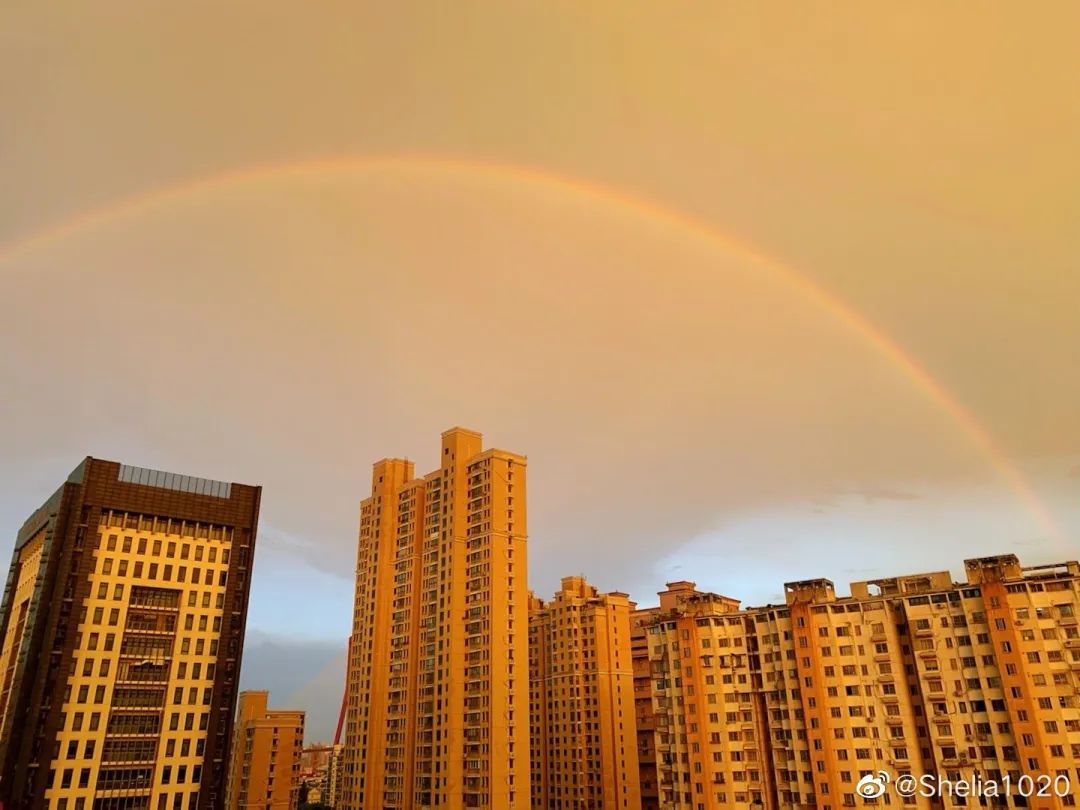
x=644, y=713
x=438, y=683
x=335, y=772
x=122, y=627
x=584, y=738
x=788, y=706
x=264, y=770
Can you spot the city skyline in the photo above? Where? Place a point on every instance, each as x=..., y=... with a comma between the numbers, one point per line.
x=763, y=294
x=466, y=689
x=314, y=684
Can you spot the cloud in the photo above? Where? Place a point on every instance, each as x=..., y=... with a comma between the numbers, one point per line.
x=284, y=544
x=751, y=554
x=293, y=598
x=869, y=494
x=874, y=494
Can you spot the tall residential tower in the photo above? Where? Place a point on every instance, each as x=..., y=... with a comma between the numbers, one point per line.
x=121, y=632
x=438, y=684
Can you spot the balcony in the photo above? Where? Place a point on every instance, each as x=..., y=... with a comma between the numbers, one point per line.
x=142, y=673
x=955, y=762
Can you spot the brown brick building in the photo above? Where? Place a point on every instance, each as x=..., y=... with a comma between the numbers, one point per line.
x=121, y=633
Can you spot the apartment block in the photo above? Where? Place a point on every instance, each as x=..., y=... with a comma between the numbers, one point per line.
x=644, y=717
x=121, y=632
x=788, y=706
x=584, y=738
x=334, y=776
x=265, y=762
x=438, y=682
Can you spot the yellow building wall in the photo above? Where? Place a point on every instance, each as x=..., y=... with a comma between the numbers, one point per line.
x=130, y=654
x=788, y=706
x=29, y=565
x=265, y=762
x=438, y=672
x=584, y=737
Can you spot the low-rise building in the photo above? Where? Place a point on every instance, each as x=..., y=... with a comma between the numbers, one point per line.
x=265, y=765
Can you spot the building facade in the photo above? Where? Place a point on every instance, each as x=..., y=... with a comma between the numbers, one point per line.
x=264, y=769
x=788, y=706
x=644, y=717
x=671, y=601
x=438, y=682
x=334, y=777
x=584, y=737
x=122, y=627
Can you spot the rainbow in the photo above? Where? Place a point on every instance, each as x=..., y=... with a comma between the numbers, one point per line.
x=595, y=193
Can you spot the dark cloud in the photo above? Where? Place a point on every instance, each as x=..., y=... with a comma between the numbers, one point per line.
x=298, y=673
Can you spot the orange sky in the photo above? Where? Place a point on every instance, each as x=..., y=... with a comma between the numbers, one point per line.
x=682, y=409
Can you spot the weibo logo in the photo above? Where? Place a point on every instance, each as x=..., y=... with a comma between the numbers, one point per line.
x=873, y=785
